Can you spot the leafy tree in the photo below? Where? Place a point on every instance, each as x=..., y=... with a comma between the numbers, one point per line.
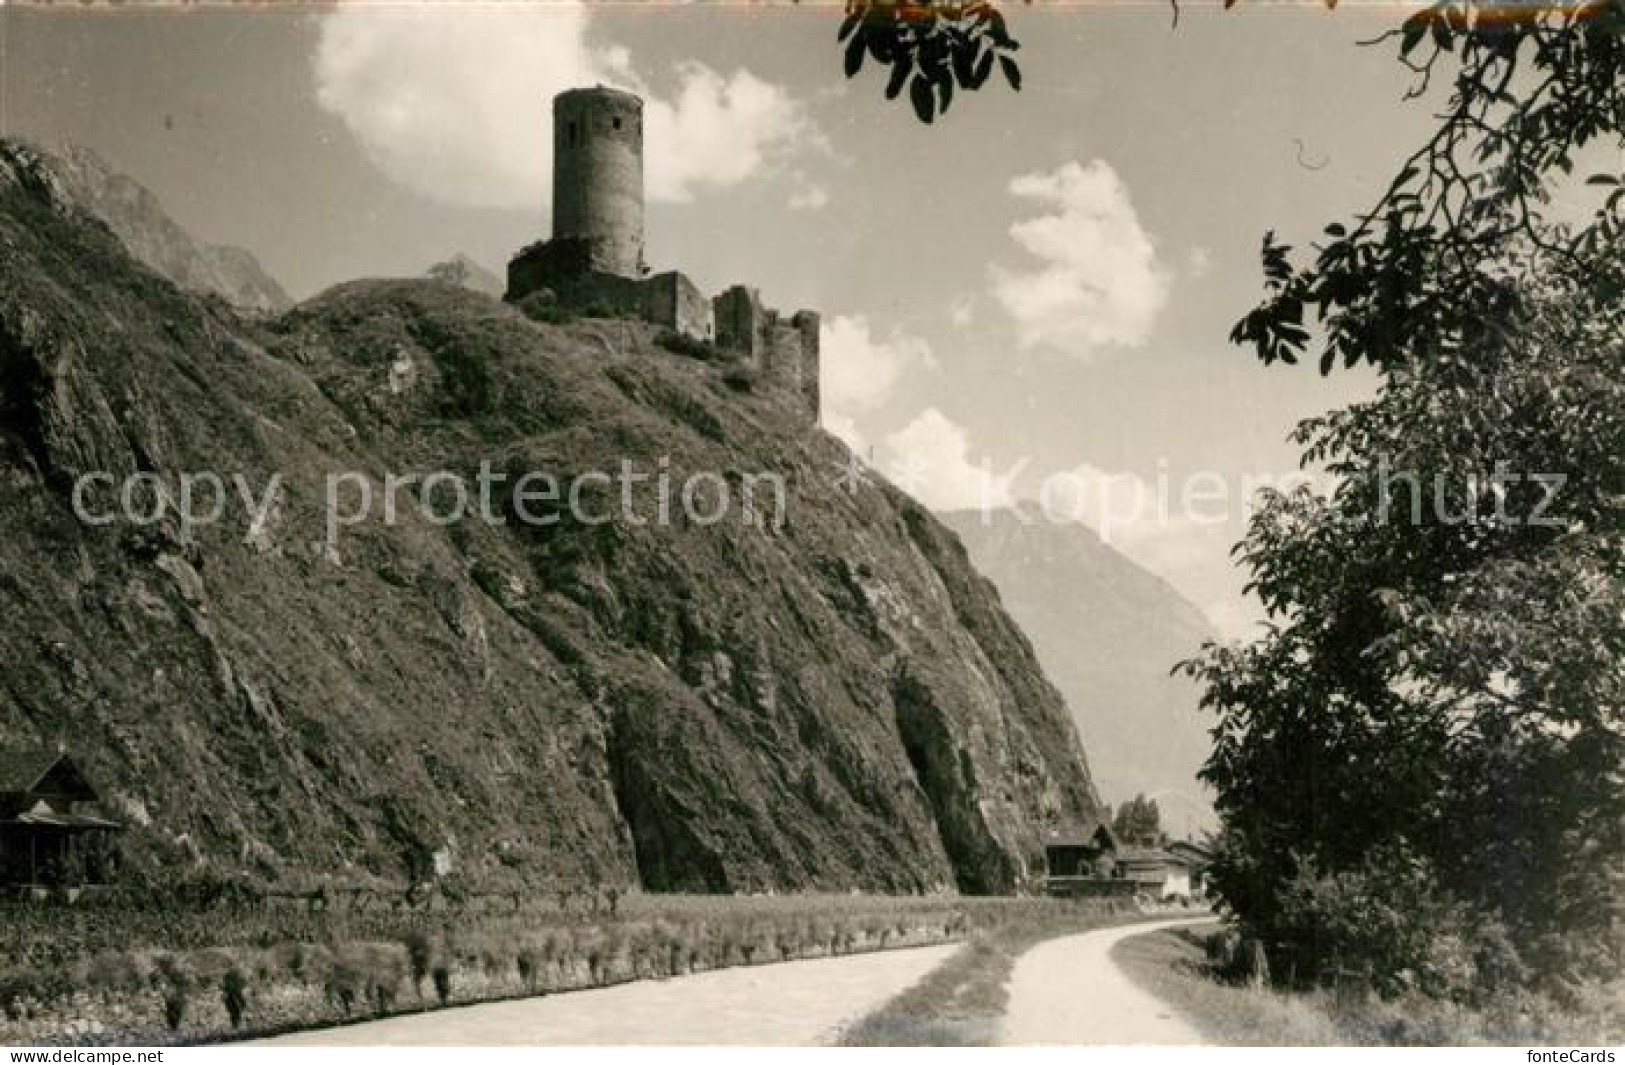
x=1444, y=671
x=1138, y=822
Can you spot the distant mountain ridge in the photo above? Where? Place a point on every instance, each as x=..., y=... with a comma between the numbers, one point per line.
x=464, y=271
x=1107, y=632
x=76, y=178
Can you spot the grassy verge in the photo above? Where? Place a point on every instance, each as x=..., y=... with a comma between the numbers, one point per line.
x=1173, y=966
x=961, y=1002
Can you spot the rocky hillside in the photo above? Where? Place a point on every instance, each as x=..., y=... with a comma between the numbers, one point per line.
x=461, y=270
x=77, y=179
x=1107, y=632
x=834, y=702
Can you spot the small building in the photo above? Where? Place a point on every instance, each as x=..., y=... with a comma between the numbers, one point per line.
x=1197, y=857
x=1155, y=871
x=53, y=830
x=1087, y=851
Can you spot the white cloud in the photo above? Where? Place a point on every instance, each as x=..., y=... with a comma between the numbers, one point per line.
x=962, y=312
x=717, y=132
x=1098, y=281
x=930, y=458
x=455, y=102
x=860, y=370
x=809, y=197
x=1199, y=262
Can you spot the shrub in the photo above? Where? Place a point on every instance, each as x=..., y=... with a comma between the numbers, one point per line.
x=234, y=996
x=740, y=378
x=602, y=309
x=343, y=985
x=543, y=306
x=1387, y=920
x=687, y=346
x=418, y=954
x=174, y=984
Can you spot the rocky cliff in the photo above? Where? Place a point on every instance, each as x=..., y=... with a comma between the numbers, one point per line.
x=1107, y=632
x=831, y=700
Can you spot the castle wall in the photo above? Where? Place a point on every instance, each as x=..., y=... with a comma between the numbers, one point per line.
x=810, y=326
x=741, y=321
x=594, y=263
x=790, y=360
x=598, y=176
x=672, y=300
x=786, y=353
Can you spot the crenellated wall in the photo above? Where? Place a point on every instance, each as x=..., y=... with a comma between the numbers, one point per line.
x=672, y=300
x=786, y=352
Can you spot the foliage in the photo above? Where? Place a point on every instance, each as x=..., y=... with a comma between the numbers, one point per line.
x=1381, y=921
x=687, y=346
x=174, y=984
x=234, y=996
x=1443, y=677
x=1533, y=85
x=1172, y=965
x=354, y=963
x=1445, y=667
x=740, y=378
x=1138, y=822
x=932, y=47
x=419, y=954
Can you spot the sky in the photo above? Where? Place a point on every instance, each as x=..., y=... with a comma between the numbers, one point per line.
x=1028, y=299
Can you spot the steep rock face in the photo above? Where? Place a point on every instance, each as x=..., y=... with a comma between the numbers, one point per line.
x=77, y=179
x=1107, y=632
x=832, y=701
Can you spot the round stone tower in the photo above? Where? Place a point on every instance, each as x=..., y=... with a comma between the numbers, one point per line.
x=598, y=176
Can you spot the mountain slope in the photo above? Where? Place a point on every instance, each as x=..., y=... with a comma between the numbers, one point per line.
x=1107, y=632
x=837, y=702
x=77, y=179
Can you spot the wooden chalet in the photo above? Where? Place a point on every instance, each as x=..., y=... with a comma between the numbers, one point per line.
x=1089, y=850
x=53, y=830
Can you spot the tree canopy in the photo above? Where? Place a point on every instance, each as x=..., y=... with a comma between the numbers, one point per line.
x=1423, y=757
x=1138, y=822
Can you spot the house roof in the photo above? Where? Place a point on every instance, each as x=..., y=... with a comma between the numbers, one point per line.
x=1149, y=856
x=48, y=819
x=1192, y=848
x=23, y=767
x=1080, y=836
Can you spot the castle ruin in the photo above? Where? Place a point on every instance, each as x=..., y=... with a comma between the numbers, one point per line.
x=594, y=260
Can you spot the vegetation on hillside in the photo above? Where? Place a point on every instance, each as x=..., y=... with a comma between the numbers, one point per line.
x=98, y=974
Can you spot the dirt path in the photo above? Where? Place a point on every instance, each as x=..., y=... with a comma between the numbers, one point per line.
x=798, y=1003
x=1068, y=992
